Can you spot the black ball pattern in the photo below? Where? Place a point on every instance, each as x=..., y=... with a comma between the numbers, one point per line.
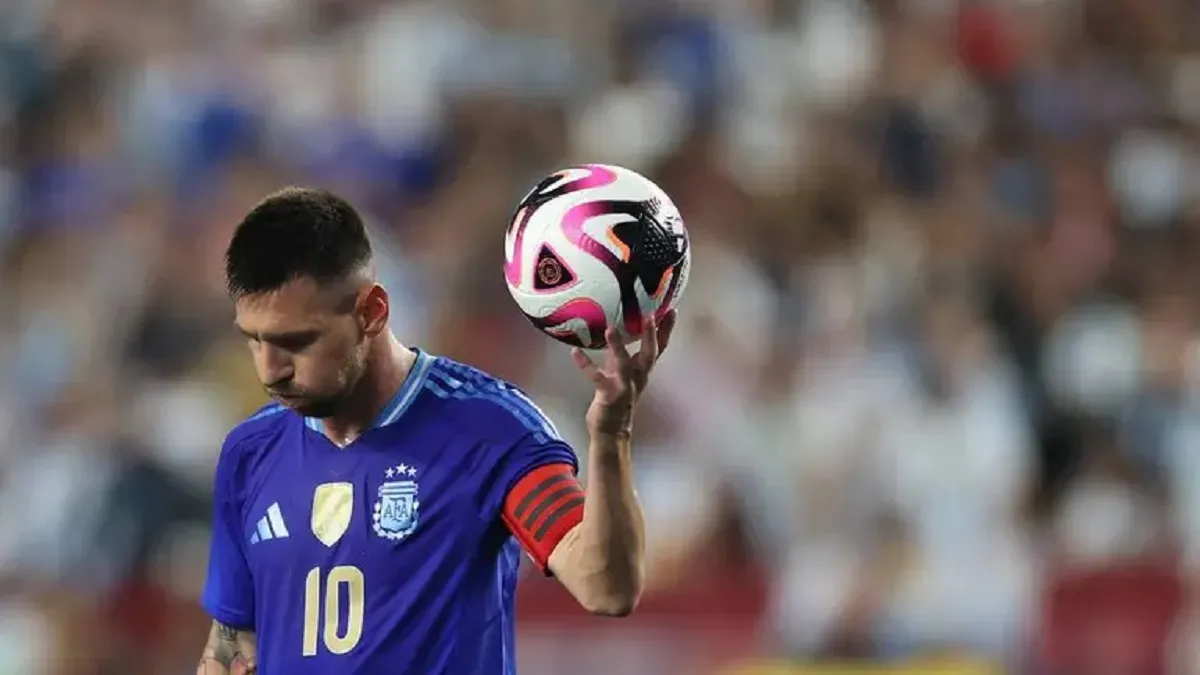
x=655, y=248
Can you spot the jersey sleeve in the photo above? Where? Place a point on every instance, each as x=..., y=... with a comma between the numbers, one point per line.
x=228, y=590
x=529, y=452
x=543, y=506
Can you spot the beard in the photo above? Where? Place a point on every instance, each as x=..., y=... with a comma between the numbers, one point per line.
x=322, y=405
x=319, y=408
x=307, y=403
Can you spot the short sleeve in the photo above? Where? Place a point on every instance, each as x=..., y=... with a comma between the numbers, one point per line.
x=522, y=459
x=542, y=508
x=229, y=589
x=526, y=439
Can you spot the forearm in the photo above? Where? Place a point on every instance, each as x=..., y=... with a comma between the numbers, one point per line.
x=601, y=559
x=228, y=652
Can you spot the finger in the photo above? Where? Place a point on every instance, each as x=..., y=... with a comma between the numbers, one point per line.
x=649, y=351
x=616, y=345
x=587, y=366
x=666, y=327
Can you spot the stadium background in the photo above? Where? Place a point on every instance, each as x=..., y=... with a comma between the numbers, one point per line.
x=936, y=388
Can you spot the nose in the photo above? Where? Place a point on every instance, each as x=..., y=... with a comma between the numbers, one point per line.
x=274, y=366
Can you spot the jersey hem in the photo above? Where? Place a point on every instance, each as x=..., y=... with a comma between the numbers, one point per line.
x=230, y=619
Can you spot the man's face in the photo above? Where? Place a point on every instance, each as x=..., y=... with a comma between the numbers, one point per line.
x=308, y=344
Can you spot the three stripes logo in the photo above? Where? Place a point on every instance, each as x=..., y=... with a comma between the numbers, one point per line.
x=270, y=526
x=551, y=498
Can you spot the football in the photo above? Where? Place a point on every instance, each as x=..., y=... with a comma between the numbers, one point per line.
x=595, y=246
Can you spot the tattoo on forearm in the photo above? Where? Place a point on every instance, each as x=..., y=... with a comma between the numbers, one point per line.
x=227, y=645
x=231, y=649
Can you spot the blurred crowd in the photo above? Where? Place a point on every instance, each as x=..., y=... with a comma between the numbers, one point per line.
x=937, y=379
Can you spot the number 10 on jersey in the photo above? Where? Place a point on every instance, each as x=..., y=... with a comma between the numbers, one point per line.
x=322, y=611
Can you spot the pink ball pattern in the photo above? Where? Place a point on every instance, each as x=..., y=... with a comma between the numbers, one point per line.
x=656, y=257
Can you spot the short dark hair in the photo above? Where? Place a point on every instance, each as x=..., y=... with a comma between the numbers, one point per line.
x=293, y=234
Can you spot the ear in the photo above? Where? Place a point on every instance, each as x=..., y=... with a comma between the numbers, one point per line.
x=373, y=310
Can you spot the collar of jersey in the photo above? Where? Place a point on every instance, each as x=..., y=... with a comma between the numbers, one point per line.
x=405, y=395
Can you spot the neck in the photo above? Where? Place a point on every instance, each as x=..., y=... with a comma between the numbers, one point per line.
x=388, y=363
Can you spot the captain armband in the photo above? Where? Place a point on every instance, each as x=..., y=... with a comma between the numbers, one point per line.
x=542, y=508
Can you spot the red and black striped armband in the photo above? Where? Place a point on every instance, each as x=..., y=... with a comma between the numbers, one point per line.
x=542, y=508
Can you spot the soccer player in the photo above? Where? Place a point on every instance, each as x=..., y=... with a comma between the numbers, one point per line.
x=371, y=520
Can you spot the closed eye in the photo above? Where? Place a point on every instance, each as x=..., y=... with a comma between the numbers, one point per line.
x=293, y=342
x=290, y=341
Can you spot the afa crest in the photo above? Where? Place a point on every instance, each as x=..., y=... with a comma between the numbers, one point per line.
x=397, y=509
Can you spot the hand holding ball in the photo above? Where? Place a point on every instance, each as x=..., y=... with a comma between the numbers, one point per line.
x=596, y=247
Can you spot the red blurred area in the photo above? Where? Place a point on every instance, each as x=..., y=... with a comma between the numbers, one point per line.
x=1115, y=620
x=985, y=42
x=695, y=628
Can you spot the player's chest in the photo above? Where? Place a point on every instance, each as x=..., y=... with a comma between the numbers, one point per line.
x=370, y=508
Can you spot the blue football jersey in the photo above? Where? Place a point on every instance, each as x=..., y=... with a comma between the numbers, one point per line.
x=389, y=555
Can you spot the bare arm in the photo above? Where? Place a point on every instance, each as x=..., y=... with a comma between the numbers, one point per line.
x=228, y=652
x=600, y=561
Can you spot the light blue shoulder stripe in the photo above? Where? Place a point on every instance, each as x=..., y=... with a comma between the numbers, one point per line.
x=408, y=391
x=267, y=411
x=532, y=407
x=447, y=385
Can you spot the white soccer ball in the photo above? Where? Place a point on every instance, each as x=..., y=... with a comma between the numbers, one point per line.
x=595, y=246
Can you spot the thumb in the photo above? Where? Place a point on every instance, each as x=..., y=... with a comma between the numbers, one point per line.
x=587, y=366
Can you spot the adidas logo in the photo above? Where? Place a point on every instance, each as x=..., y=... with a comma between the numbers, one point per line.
x=270, y=526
